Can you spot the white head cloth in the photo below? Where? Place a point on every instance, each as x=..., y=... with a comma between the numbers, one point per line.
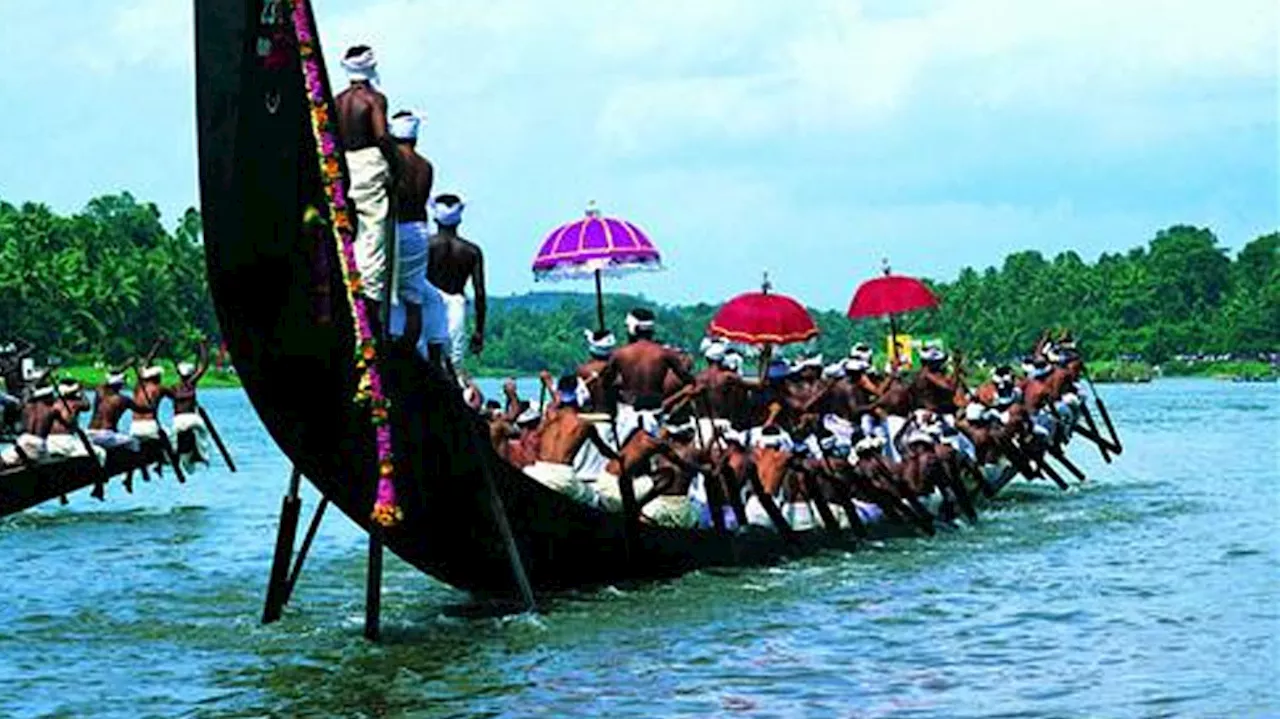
x=186, y=369
x=115, y=379
x=834, y=371
x=713, y=350
x=405, y=127
x=635, y=324
x=932, y=354
x=42, y=392
x=814, y=362
x=856, y=364
x=602, y=346
x=446, y=214
x=67, y=386
x=531, y=414
x=154, y=372
x=869, y=445
x=732, y=361
x=362, y=67
x=860, y=351
x=975, y=412
x=919, y=437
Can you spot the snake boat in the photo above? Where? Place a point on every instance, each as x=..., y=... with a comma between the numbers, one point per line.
x=287, y=318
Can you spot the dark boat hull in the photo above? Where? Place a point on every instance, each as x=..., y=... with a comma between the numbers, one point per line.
x=274, y=282
x=26, y=488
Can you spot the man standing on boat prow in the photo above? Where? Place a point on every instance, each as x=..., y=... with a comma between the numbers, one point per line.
x=412, y=190
x=453, y=261
x=371, y=157
x=634, y=377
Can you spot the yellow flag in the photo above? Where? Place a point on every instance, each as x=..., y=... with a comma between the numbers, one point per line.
x=904, y=349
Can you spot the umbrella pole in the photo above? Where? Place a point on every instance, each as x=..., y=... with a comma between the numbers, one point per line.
x=893, y=339
x=599, y=303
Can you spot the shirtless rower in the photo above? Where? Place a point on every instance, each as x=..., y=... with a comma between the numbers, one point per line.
x=727, y=393
x=39, y=414
x=600, y=344
x=412, y=191
x=563, y=434
x=634, y=377
x=189, y=429
x=932, y=389
x=371, y=160
x=63, y=439
x=109, y=407
x=453, y=262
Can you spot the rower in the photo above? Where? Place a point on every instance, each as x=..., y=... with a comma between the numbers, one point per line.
x=727, y=392
x=38, y=416
x=563, y=434
x=412, y=191
x=634, y=376
x=371, y=156
x=675, y=467
x=932, y=389
x=189, y=428
x=147, y=394
x=63, y=440
x=453, y=261
x=600, y=344
x=109, y=406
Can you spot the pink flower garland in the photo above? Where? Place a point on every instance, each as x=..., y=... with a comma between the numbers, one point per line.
x=386, y=510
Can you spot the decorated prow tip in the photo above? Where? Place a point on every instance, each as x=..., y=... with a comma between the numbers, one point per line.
x=593, y=210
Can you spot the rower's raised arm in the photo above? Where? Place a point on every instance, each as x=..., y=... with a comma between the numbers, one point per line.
x=202, y=364
x=151, y=353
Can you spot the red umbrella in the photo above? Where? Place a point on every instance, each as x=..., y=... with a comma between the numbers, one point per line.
x=762, y=318
x=890, y=295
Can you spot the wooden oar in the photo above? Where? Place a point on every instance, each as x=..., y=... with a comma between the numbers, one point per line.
x=100, y=472
x=1061, y=456
x=1093, y=427
x=770, y=507
x=912, y=501
x=1102, y=408
x=818, y=501
x=1093, y=436
x=217, y=440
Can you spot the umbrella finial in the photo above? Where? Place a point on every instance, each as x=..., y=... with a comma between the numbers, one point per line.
x=592, y=209
x=884, y=265
x=766, y=285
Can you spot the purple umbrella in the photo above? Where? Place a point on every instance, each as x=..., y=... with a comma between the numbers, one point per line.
x=595, y=246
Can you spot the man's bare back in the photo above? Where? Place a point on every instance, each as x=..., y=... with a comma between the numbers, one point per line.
x=453, y=261
x=362, y=116
x=640, y=369
x=413, y=186
x=110, y=406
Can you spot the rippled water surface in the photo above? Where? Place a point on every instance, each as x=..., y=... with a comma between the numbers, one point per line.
x=1151, y=591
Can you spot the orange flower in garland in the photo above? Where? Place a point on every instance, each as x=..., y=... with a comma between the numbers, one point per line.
x=332, y=169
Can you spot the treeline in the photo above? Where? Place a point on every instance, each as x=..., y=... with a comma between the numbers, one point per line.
x=1182, y=293
x=102, y=283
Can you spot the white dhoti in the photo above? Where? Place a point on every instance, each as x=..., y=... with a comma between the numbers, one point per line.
x=756, y=514
x=630, y=419
x=70, y=446
x=893, y=425
x=192, y=422
x=370, y=177
x=412, y=286
x=31, y=445
x=562, y=479
x=108, y=439
x=609, y=494
x=669, y=510
x=444, y=322
x=145, y=429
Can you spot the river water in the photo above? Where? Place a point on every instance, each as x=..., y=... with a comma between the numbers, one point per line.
x=1151, y=591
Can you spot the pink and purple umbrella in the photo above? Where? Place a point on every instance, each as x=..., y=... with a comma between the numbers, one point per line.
x=594, y=246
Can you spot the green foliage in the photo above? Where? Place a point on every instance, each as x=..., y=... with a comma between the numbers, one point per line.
x=102, y=283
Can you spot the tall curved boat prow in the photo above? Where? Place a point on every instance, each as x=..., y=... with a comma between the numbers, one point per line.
x=284, y=313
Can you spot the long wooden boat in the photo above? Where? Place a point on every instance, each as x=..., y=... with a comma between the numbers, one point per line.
x=284, y=314
x=24, y=487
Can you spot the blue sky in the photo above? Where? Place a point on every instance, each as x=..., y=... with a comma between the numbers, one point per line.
x=742, y=135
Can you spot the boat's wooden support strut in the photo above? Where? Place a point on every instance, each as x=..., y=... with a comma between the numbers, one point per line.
x=283, y=578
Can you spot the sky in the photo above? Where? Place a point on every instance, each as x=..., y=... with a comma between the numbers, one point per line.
x=809, y=139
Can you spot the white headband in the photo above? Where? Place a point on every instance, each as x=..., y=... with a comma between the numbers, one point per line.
x=68, y=387
x=115, y=378
x=42, y=393
x=186, y=369
x=713, y=350
x=635, y=324
x=362, y=67
x=446, y=214
x=602, y=346
x=732, y=361
x=405, y=127
x=152, y=373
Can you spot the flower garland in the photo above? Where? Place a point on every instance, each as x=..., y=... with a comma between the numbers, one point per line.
x=386, y=510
